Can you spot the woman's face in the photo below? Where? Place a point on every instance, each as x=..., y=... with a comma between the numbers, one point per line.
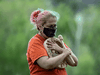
x=49, y=28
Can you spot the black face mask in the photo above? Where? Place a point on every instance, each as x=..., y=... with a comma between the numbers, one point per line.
x=49, y=32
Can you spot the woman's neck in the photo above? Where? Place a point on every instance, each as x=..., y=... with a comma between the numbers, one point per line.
x=42, y=35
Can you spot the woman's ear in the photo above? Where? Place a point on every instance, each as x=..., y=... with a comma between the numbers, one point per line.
x=39, y=28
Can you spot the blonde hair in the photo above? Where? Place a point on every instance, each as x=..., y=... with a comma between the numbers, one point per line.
x=41, y=16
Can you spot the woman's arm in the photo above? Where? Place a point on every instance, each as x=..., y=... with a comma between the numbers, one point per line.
x=69, y=61
x=50, y=63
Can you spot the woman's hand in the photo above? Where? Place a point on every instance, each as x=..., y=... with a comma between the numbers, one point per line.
x=53, y=46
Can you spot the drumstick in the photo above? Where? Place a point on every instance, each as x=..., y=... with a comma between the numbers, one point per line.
x=61, y=38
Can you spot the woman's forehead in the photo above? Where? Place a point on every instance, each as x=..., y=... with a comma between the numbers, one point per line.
x=51, y=21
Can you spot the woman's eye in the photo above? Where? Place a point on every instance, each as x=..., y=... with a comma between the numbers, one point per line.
x=52, y=26
x=55, y=25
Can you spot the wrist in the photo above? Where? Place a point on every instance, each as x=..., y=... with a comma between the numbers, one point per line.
x=66, y=52
x=60, y=50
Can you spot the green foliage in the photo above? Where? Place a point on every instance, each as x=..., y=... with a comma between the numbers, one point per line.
x=86, y=61
x=85, y=64
x=91, y=33
x=89, y=60
x=16, y=31
x=66, y=25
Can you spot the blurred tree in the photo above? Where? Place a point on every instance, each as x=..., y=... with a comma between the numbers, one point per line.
x=91, y=35
x=67, y=27
x=66, y=24
x=15, y=33
x=76, y=5
x=71, y=3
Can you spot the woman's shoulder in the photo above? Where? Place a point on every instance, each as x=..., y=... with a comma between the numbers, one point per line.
x=34, y=40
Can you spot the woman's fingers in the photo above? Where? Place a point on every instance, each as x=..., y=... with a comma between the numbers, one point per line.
x=48, y=43
x=49, y=46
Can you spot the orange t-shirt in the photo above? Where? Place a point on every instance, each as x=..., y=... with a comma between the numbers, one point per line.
x=35, y=51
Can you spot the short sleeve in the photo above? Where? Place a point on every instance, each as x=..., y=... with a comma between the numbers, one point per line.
x=37, y=50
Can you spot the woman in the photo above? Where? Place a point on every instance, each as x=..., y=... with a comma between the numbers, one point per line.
x=38, y=60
